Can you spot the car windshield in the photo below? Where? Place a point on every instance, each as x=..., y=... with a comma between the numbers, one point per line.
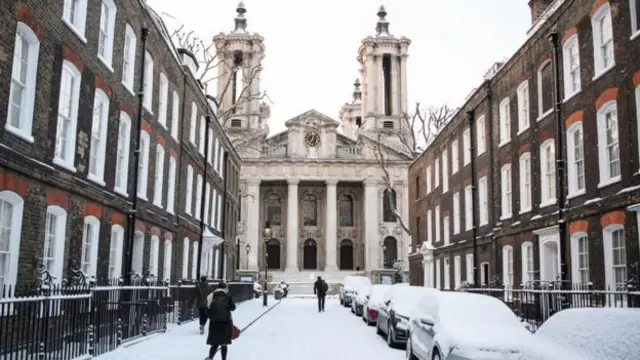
x=357, y=281
x=378, y=292
x=474, y=310
x=406, y=298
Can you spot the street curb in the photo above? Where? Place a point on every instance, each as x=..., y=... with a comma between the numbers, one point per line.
x=259, y=317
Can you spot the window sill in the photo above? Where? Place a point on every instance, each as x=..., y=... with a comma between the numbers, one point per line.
x=105, y=63
x=163, y=124
x=147, y=107
x=635, y=35
x=19, y=133
x=525, y=210
x=503, y=143
x=506, y=217
x=547, y=113
x=480, y=153
x=142, y=197
x=75, y=31
x=170, y=211
x=96, y=179
x=63, y=164
x=122, y=192
x=522, y=130
x=128, y=87
x=157, y=203
x=610, y=181
x=571, y=96
x=548, y=203
x=603, y=72
x=575, y=194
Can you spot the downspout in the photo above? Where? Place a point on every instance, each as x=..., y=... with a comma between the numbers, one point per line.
x=132, y=216
x=474, y=222
x=491, y=189
x=560, y=164
x=223, y=228
x=203, y=194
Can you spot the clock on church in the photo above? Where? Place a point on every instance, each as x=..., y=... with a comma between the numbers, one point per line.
x=312, y=139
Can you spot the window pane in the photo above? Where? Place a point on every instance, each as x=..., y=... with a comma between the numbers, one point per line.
x=547, y=88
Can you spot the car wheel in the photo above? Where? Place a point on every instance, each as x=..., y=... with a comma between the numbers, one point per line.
x=409, y=353
x=378, y=330
x=390, y=341
x=436, y=355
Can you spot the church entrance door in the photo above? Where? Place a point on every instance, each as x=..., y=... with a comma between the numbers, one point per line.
x=273, y=254
x=346, y=255
x=310, y=255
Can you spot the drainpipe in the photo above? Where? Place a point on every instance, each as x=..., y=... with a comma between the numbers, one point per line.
x=474, y=222
x=223, y=228
x=560, y=163
x=491, y=189
x=203, y=194
x=132, y=216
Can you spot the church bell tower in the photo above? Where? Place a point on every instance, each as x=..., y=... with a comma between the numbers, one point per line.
x=239, y=93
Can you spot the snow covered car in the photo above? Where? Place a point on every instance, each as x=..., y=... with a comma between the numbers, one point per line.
x=449, y=325
x=393, y=316
x=595, y=334
x=349, y=286
x=361, y=295
x=373, y=302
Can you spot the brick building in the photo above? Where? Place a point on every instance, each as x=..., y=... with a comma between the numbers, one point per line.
x=508, y=128
x=68, y=139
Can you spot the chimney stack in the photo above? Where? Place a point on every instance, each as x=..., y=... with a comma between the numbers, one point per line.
x=537, y=8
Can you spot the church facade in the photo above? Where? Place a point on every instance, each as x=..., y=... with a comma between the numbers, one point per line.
x=329, y=189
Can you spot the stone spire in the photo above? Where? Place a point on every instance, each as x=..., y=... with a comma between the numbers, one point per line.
x=382, y=28
x=241, y=21
x=357, y=93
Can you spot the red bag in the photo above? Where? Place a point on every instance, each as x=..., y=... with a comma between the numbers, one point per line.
x=235, y=332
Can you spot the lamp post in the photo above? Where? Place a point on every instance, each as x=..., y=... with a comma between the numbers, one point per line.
x=266, y=234
x=247, y=249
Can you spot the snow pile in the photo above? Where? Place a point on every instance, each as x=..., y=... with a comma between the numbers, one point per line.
x=353, y=283
x=405, y=299
x=376, y=299
x=603, y=334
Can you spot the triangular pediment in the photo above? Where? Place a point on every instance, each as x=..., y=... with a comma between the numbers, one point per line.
x=312, y=118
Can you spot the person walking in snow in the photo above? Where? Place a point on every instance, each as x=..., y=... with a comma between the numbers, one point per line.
x=320, y=289
x=202, y=290
x=221, y=326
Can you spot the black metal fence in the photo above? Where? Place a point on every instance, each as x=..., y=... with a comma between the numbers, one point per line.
x=65, y=321
x=534, y=302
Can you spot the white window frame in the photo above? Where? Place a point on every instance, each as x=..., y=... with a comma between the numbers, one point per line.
x=481, y=137
x=608, y=256
x=528, y=265
x=546, y=198
x=194, y=260
x=603, y=14
x=185, y=258
x=428, y=175
x=207, y=203
x=506, y=185
x=437, y=274
x=171, y=185
x=219, y=215
x=138, y=253
x=107, y=56
x=60, y=216
x=447, y=274
x=507, y=271
x=201, y=136
x=210, y=154
x=143, y=176
x=468, y=208
x=466, y=145
x=570, y=88
x=25, y=121
x=94, y=224
x=129, y=58
x=78, y=26
x=175, y=115
x=154, y=255
x=446, y=238
x=455, y=158
x=194, y=123
x=198, y=196
x=469, y=268
x=456, y=212
x=574, y=186
x=482, y=201
x=437, y=224
x=606, y=178
x=66, y=158
x=526, y=192
x=214, y=211
x=635, y=21
x=524, y=112
x=122, y=155
x=445, y=171
x=168, y=252
x=541, y=114
x=115, y=260
x=576, y=269
x=436, y=167
x=483, y=272
x=429, y=227
x=188, y=204
x=221, y=164
x=147, y=97
x=216, y=158
x=505, y=121
x=101, y=147
x=163, y=99
x=158, y=183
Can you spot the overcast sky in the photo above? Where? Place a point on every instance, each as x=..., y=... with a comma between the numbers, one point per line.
x=311, y=45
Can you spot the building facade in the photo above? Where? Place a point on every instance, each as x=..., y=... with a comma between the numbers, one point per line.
x=572, y=89
x=318, y=183
x=71, y=116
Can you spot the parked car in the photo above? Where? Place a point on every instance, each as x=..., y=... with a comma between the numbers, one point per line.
x=349, y=286
x=595, y=333
x=361, y=295
x=373, y=302
x=393, y=315
x=449, y=325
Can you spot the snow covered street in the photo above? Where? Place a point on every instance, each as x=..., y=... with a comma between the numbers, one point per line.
x=292, y=330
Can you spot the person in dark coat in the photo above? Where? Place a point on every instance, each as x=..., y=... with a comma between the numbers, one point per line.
x=320, y=289
x=220, y=307
x=202, y=290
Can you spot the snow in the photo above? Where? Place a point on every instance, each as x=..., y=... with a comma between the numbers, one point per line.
x=603, y=334
x=353, y=283
x=405, y=299
x=293, y=330
x=377, y=295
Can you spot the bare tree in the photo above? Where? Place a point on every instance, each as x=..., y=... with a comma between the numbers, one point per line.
x=212, y=64
x=421, y=127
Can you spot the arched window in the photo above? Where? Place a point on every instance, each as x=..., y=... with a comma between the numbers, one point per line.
x=390, y=249
x=185, y=258
x=310, y=210
x=90, y=243
x=345, y=209
x=274, y=209
x=153, y=255
x=54, y=239
x=389, y=205
x=138, y=252
x=346, y=255
x=115, y=251
x=11, y=206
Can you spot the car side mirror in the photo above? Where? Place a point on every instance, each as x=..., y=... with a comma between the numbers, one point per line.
x=427, y=320
x=387, y=302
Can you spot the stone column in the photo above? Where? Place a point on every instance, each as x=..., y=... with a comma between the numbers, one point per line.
x=292, y=226
x=380, y=88
x=371, y=223
x=395, y=86
x=331, y=226
x=403, y=77
x=371, y=84
x=253, y=233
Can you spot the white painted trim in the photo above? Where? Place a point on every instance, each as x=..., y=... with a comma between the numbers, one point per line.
x=445, y=171
x=145, y=141
x=118, y=232
x=107, y=57
x=506, y=197
x=548, y=235
x=128, y=75
x=94, y=222
x=605, y=177
x=524, y=117
x=125, y=121
x=158, y=183
x=524, y=261
x=456, y=212
x=635, y=22
x=185, y=257
x=546, y=198
x=193, y=123
x=571, y=159
x=466, y=144
x=481, y=136
x=469, y=267
x=483, y=201
x=175, y=115
x=17, y=204
x=163, y=99
x=575, y=261
x=138, y=252
x=599, y=68
x=154, y=255
x=188, y=204
x=147, y=99
x=455, y=156
x=504, y=110
x=522, y=177
x=60, y=215
x=571, y=42
x=103, y=118
x=79, y=26
x=171, y=185
x=607, y=246
x=541, y=113
x=67, y=160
